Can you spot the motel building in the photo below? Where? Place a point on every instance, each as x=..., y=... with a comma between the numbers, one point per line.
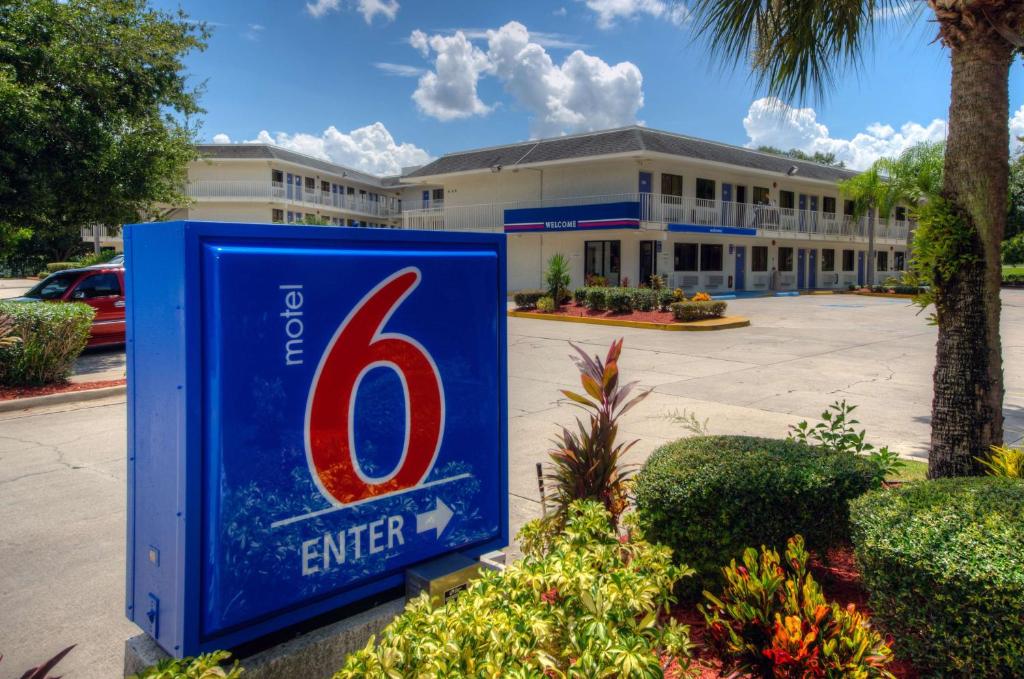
x=622, y=204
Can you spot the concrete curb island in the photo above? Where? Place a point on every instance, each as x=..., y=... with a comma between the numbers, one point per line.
x=724, y=323
x=59, y=398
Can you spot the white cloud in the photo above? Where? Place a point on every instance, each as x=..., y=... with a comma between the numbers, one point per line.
x=542, y=38
x=401, y=70
x=560, y=12
x=769, y=122
x=582, y=93
x=368, y=8
x=254, y=32
x=610, y=11
x=449, y=91
x=221, y=138
x=1017, y=129
x=370, y=149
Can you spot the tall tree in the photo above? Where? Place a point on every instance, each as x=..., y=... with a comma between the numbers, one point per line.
x=799, y=47
x=95, y=112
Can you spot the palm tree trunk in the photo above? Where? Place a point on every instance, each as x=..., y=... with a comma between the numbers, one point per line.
x=967, y=414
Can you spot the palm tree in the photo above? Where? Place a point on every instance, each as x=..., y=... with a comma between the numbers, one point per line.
x=799, y=47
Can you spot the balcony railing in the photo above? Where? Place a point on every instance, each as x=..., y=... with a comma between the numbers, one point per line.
x=262, y=190
x=658, y=211
x=106, y=233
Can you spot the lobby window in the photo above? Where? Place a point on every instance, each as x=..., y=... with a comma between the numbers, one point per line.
x=671, y=184
x=759, y=258
x=277, y=216
x=760, y=195
x=277, y=176
x=602, y=259
x=828, y=260
x=785, y=259
x=710, y=257
x=847, y=260
x=899, y=261
x=828, y=205
x=706, y=189
x=882, y=261
x=787, y=200
x=685, y=257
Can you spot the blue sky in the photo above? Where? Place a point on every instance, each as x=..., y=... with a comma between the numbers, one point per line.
x=383, y=83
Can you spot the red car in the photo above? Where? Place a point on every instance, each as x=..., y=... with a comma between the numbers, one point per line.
x=101, y=287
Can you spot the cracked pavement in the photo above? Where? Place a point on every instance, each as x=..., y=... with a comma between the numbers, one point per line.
x=62, y=469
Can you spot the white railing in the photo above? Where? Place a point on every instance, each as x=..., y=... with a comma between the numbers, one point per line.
x=892, y=229
x=106, y=233
x=386, y=206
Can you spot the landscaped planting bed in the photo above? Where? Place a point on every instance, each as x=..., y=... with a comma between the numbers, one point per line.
x=644, y=305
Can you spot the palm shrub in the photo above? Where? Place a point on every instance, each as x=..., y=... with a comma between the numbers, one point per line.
x=1004, y=461
x=49, y=337
x=205, y=666
x=557, y=278
x=580, y=603
x=587, y=463
x=772, y=620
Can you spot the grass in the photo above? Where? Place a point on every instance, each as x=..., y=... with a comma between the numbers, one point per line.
x=1009, y=269
x=911, y=471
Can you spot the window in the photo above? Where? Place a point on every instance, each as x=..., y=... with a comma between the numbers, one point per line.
x=671, y=184
x=848, y=207
x=438, y=194
x=881, y=261
x=325, y=186
x=828, y=205
x=686, y=257
x=277, y=176
x=310, y=184
x=828, y=260
x=741, y=194
x=710, y=257
x=786, y=200
x=351, y=191
x=899, y=261
x=785, y=259
x=97, y=285
x=759, y=258
x=53, y=287
x=901, y=214
x=847, y=260
x=706, y=190
x=760, y=195
x=602, y=259
x=277, y=216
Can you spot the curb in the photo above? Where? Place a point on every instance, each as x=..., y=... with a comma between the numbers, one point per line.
x=57, y=399
x=724, y=323
x=890, y=295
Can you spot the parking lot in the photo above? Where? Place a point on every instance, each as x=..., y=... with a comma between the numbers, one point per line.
x=62, y=469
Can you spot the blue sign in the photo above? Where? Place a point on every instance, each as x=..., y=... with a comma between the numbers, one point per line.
x=726, y=230
x=311, y=411
x=624, y=215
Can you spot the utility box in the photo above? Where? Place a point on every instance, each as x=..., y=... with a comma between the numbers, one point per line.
x=311, y=412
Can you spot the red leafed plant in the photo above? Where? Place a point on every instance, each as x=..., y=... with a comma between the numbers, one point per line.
x=587, y=463
x=43, y=671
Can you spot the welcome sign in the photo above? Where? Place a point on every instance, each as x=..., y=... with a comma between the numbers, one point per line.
x=621, y=215
x=312, y=411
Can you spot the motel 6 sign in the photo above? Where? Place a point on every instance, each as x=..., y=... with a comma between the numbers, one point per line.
x=311, y=411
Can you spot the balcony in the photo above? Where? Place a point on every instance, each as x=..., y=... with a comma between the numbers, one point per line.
x=243, y=191
x=107, y=235
x=663, y=212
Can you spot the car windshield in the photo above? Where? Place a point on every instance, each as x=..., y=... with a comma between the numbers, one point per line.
x=53, y=287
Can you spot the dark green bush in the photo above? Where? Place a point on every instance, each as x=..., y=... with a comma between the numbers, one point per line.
x=696, y=311
x=579, y=295
x=666, y=298
x=54, y=267
x=619, y=300
x=596, y=299
x=49, y=339
x=944, y=563
x=644, y=299
x=709, y=497
x=527, y=299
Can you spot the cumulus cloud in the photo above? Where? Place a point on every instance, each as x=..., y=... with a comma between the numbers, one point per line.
x=221, y=138
x=1017, y=129
x=370, y=149
x=368, y=8
x=611, y=11
x=769, y=122
x=581, y=93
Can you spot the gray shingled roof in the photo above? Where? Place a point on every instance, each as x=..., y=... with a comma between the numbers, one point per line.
x=271, y=152
x=633, y=139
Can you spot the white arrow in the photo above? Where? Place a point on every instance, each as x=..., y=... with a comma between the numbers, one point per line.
x=436, y=519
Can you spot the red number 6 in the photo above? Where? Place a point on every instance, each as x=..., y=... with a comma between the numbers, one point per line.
x=356, y=348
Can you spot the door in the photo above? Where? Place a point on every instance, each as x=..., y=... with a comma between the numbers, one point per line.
x=289, y=186
x=298, y=187
x=801, y=260
x=645, y=195
x=860, y=267
x=727, y=218
x=813, y=215
x=802, y=205
x=812, y=269
x=741, y=268
x=742, y=214
x=648, y=263
x=103, y=292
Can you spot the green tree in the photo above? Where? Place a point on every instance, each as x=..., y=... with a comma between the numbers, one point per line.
x=1015, y=219
x=557, y=278
x=95, y=113
x=816, y=157
x=912, y=177
x=798, y=48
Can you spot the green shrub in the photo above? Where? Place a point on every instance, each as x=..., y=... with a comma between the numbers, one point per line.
x=596, y=298
x=579, y=604
x=619, y=300
x=696, y=311
x=579, y=295
x=772, y=620
x=644, y=299
x=944, y=563
x=206, y=666
x=527, y=299
x=101, y=257
x=546, y=304
x=709, y=497
x=50, y=338
x=1013, y=250
x=54, y=267
x=667, y=297
x=557, y=277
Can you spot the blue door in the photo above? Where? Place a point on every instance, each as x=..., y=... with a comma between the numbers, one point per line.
x=812, y=268
x=860, y=267
x=289, y=184
x=802, y=204
x=645, y=200
x=801, y=259
x=741, y=268
x=814, y=214
x=426, y=199
x=298, y=187
x=727, y=219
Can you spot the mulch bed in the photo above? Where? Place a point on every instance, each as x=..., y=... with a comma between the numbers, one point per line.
x=840, y=581
x=572, y=309
x=9, y=393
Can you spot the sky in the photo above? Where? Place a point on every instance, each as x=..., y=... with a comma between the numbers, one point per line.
x=383, y=84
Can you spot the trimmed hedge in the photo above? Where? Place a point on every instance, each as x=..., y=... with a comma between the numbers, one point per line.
x=624, y=300
x=944, y=563
x=54, y=267
x=709, y=497
x=50, y=338
x=697, y=311
x=527, y=299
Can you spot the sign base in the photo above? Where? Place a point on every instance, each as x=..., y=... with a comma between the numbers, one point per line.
x=315, y=655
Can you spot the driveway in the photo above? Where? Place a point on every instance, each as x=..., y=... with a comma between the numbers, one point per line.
x=62, y=470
